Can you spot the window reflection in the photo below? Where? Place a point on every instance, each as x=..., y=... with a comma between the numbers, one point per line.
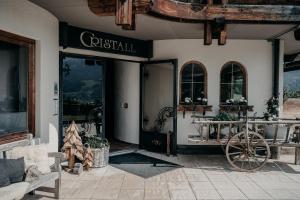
x=233, y=82
x=13, y=87
x=193, y=77
x=82, y=90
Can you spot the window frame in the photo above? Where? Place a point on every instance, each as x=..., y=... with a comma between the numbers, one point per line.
x=30, y=44
x=181, y=101
x=245, y=82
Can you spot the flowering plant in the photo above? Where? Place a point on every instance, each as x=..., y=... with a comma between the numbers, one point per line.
x=202, y=101
x=240, y=101
x=272, y=108
x=188, y=100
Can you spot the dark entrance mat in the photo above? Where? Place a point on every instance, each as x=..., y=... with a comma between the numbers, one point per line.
x=141, y=165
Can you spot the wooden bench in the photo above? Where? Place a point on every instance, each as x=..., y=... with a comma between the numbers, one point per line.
x=44, y=179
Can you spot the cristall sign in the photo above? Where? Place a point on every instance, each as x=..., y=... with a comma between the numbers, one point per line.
x=74, y=37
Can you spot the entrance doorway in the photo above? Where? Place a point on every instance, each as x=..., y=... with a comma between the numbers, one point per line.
x=102, y=96
x=132, y=104
x=159, y=106
x=124, y=99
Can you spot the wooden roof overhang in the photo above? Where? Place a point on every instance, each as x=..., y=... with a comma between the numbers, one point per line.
x=215, y=14
x=234, y=11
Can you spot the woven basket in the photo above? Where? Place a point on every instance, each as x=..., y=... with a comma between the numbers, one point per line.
x=101, y=157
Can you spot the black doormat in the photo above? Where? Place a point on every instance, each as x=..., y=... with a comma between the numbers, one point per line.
x=141, y=165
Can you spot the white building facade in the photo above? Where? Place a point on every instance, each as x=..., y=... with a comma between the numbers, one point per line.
x=26, y=19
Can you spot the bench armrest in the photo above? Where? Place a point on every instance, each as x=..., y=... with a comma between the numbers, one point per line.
x=56, y=155
x=58, y=158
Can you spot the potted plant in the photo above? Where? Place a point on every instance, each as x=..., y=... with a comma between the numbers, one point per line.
x=100, y=150
x=272, y=108
x=271, y=114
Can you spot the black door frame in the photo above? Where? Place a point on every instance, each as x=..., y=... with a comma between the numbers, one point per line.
x=62, y=55
x=174, y=62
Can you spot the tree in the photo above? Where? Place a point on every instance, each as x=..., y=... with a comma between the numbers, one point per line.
x=72, y=145
x=88, y=158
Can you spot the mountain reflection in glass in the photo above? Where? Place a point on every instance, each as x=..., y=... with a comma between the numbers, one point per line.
x=82, y=88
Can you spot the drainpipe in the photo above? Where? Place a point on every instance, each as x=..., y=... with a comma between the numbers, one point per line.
x=275, y=151
x=276, y=66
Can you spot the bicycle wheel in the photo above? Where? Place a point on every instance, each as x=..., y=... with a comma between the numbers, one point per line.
x=244, y=157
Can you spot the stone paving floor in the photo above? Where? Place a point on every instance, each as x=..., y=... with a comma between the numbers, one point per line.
x=202, y=177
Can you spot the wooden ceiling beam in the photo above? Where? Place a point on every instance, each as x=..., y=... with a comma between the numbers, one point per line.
x=132, y=26
x=124, y=12
x=223, y=36
x=207, y=33
x=102, y=7
x=265, y=2
x=232, y=13
x=108, y=7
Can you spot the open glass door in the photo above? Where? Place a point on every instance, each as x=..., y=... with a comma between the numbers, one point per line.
x=82, y=94
x=158, y=106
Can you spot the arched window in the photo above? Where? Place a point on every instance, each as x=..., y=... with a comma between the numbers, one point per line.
x=193, y=82
x=233, y=83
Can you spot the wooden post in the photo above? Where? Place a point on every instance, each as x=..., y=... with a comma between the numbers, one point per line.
x=58, y=181
x=71, y=161
x=132, y=26
x=218, y=132
x=222, y=36
x=287, y=133
x=207, y=33
x=168, y=143
x=57, y=187
x=297, y=156
x=124, y=12
x=275, y=135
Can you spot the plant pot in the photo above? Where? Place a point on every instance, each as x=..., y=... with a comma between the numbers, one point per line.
x=269, y=131
x=100, y=157
x=205, y=132
x=224, y=132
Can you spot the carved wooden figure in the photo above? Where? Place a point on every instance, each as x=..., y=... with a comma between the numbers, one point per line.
x=88, y=158
x=73, y=146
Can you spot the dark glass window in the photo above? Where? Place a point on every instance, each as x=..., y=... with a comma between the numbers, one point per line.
x=82, y=88
x=13, y=88
x=233, y=82
x=193, y=78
